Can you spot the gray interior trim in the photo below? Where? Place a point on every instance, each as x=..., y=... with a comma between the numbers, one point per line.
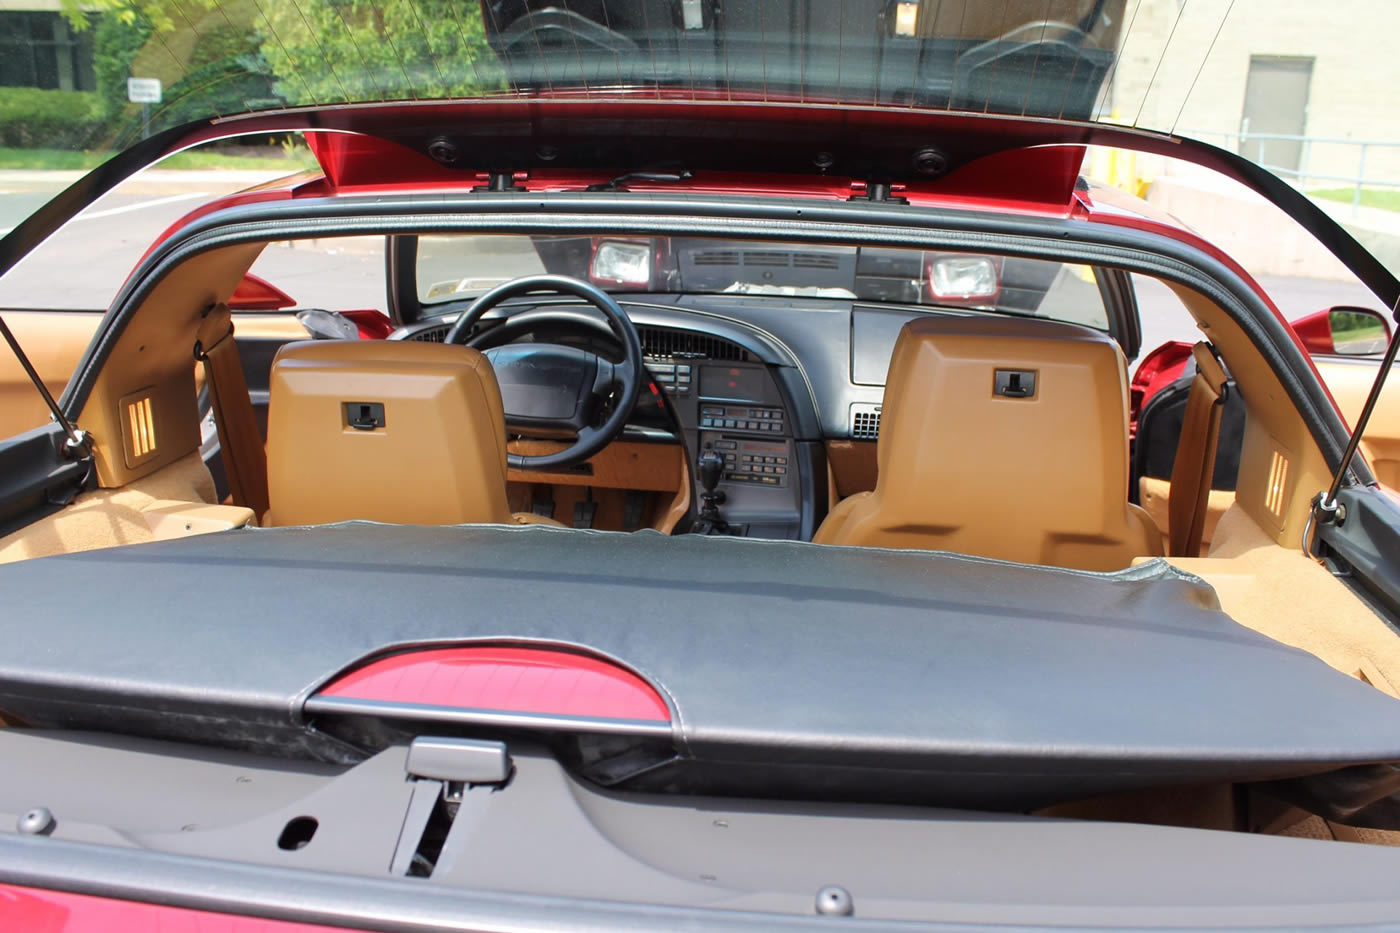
x=1330, y=886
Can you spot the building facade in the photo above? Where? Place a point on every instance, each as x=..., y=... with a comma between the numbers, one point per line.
x=38, y=48
x=1322, y=72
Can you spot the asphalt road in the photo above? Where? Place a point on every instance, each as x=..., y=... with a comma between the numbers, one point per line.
x=83, y=265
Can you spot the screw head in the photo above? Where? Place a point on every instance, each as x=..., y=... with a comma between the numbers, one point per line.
x=835, y=901
x=36, y=822
x=823, y=160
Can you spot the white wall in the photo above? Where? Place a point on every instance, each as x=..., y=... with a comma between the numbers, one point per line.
x=1356, y=70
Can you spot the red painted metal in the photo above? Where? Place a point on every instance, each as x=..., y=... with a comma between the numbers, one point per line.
x=373, y=324
x=1040, y=179
x=36, y=910
x=351, y=160
x=1158, y=369
x=1315, y=331
x=255, y=293
x=505, y=679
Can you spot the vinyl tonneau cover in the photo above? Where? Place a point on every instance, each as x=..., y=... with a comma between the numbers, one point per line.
x=820, y=670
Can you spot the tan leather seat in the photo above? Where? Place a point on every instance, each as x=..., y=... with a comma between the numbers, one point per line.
x=1041, y=479
x=438, y=459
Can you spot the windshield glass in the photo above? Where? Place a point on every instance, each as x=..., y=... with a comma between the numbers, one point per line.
x=452, y=268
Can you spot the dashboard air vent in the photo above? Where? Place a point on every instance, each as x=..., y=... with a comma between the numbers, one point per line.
x=865, y=421
x=717, y=257
x=660, y=342
x=431, y=334
x=815, y=261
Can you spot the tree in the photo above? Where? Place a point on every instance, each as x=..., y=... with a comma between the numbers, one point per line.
x=352, y=50
x=216, y=57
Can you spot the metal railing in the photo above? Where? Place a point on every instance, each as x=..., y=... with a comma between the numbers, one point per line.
x=1302, y=176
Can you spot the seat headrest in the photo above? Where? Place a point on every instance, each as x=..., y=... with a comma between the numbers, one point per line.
x=439, y=456
x=955, y=452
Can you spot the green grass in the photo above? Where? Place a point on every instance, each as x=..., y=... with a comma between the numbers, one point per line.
x=60, y=159
x=1387, y=199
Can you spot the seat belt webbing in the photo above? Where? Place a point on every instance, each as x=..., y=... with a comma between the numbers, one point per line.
x=1194, y=468
x=240, y=441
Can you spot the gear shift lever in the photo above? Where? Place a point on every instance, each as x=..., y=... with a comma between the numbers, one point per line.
x=711, y=467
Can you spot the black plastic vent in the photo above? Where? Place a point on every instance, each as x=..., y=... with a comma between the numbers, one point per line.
x=659, y=342
x=865, y=423
x=431, y=335
x=815, y=261
x=716, y=257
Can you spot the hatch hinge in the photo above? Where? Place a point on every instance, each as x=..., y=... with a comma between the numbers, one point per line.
x=78, y=446
x=1325, y=508
x=503, y=181
x=877, y=192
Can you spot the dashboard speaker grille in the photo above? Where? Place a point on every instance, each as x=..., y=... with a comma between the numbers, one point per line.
x=865, y=422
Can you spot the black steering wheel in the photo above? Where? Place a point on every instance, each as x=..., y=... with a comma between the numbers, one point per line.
x=555, y=392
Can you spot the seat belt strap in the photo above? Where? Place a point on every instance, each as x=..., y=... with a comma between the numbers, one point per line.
x=240, y=441
x=1194, y=468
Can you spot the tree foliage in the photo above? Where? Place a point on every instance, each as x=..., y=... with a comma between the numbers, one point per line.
x=224, y=56
x=345, y=50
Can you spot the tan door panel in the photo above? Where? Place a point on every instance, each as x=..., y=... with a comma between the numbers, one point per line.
x=54, y=341
x=1350, y=382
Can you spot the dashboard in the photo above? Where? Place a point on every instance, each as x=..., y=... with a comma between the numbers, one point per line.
x=762, y=381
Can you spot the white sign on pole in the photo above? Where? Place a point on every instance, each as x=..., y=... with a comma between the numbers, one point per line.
x=143, y=90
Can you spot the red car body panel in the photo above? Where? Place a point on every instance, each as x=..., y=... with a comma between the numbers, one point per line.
x=255, y=293
x=1158, y=369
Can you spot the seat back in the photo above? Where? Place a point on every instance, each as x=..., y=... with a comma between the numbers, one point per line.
x=438, y=458
x=1035, y=472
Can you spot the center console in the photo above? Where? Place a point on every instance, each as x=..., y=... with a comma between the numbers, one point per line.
x=743, y=436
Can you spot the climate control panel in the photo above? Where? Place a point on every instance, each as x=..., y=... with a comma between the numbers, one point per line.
x=763, y=463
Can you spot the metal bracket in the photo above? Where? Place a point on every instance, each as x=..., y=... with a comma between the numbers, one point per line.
x=1324, y=511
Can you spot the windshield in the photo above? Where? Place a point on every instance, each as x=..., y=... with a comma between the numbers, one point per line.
x=452, y=268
